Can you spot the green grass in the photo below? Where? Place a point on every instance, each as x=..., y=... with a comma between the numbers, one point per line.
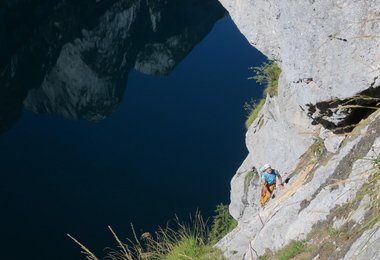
x=187, y=248
x=372, y=189
x=248, y=178
x=192, y=248
x=324, y=239
x=334, y=232
x=291, y=250
x=187, y=240
x=318, y=147
x=294, y=248
x=255, y=110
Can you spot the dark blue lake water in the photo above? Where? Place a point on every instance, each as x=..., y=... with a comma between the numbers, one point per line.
x=129, y=114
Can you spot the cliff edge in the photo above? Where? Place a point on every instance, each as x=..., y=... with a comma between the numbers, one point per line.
x=321, y=131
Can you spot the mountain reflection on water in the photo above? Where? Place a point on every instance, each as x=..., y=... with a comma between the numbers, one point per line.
x=73, y=57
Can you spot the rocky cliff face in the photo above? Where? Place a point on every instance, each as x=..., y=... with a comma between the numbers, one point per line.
x=320, y=131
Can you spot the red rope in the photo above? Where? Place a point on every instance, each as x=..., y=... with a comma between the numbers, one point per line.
x=250, y=249
x=260, y=219
x=250, y=243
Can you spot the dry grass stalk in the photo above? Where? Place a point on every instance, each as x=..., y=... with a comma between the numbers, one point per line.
x=125, y=252
x=157, y=247
x=356, y=106
x=86, y=251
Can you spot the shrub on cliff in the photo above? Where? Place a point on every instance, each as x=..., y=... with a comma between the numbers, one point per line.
x=222, y=224
x=267, y=74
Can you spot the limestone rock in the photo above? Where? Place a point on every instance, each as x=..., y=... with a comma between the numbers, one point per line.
x=329, y=54
x=327, y=49
x=367, y=246
x=309, y=198
x=332, y=141
x=279, y=136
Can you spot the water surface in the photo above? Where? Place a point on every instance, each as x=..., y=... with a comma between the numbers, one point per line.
x=113, y=129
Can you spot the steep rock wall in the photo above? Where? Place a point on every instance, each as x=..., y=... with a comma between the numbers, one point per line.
x=327, y=49
x=329, y=53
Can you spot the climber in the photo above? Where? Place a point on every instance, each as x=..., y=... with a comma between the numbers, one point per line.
x=268, y=180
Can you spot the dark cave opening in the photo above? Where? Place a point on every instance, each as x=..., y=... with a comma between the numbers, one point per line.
x=342, y=115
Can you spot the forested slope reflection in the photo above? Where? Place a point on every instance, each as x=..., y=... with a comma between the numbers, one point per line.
x=73, y=57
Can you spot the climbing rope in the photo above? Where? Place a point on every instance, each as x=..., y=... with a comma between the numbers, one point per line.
x=251, y=249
